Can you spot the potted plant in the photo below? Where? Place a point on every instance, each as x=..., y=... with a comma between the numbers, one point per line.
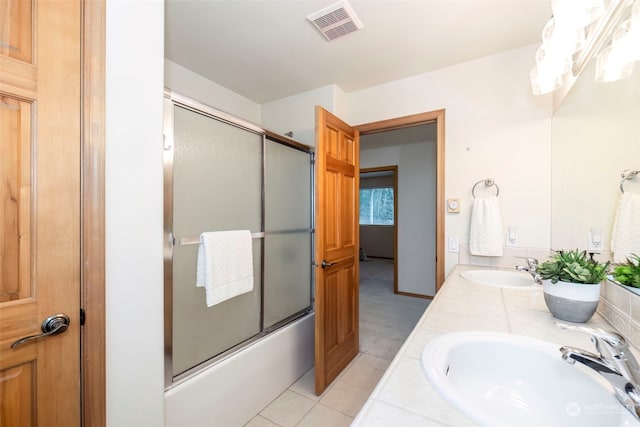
x=628, y=274
x=571, y=284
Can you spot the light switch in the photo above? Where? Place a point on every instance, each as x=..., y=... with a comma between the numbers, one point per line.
x=453, y=244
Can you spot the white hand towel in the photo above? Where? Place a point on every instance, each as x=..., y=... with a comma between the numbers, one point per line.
x=625, y=238
x=485, y=231
x=225, y=264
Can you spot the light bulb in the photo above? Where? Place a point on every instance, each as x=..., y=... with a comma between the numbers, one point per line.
x=563, y=39
x=612, y=65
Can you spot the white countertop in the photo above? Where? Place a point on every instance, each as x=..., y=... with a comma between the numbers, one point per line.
x=404, y=397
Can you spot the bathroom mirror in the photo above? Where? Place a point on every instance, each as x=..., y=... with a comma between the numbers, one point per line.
x=595, y=136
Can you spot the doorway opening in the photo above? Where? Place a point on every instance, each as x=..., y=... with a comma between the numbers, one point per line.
x=419, y=127
x=379, y=222
x=386, y=317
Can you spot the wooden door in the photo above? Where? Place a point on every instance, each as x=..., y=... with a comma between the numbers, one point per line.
x=337, y=247
x=39, y=210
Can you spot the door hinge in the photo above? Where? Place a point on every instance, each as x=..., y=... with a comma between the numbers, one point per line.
x=82, y=317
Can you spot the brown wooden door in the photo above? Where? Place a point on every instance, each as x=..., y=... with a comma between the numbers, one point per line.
x=336, y=304
x=39, y=210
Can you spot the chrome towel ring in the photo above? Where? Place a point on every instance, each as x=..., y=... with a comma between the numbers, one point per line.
x=627, y=174
x=489, y=182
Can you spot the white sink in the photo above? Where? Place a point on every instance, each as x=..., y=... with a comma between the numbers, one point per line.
x=504, y=380
x=501, y=278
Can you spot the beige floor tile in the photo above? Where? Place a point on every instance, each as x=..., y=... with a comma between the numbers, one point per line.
x=362, y=376
x=374, y=362
x=306, y=385
x=345, y=398
x=322, y=416
x=288, y=409
x=259, y=421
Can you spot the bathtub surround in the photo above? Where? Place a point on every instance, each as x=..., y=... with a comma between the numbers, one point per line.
x=250, y=380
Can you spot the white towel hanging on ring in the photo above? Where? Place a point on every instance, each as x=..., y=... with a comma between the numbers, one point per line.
x=485, y=230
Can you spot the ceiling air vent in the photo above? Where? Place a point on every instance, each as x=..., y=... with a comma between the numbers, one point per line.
x=336, y=20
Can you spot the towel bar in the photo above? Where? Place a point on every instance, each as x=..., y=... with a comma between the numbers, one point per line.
x=627, y=174
x=489, y=182
x=183, y=241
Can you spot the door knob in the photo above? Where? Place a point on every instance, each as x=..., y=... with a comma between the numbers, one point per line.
x=52, y=325
x=326, y=264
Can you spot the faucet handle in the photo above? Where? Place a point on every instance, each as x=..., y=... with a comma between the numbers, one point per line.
x=531, y=262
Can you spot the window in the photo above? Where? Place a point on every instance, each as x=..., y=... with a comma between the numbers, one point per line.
x=376, y=206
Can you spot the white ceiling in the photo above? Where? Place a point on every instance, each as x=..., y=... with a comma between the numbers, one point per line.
x=267, y=50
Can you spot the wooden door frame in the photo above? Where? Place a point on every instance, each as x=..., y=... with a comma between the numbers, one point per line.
x=393, y=169
x=437, y=117
x=92, y=338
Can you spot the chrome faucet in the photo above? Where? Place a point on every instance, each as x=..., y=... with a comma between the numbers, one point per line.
x=531, y=268
x=615, y=363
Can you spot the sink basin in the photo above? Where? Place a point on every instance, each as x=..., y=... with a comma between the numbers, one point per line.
x=504, y=380
x=501, y=278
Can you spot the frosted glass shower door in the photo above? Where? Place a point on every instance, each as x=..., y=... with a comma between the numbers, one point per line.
x=217, y=186
x=287, y=261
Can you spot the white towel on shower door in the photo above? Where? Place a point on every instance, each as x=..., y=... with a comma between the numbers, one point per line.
x=625, y=238
x=225, y=264
x=485, y=231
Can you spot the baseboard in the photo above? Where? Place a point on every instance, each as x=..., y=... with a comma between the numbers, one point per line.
x=409, y=294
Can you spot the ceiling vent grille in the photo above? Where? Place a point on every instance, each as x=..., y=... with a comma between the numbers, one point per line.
x=336, y=20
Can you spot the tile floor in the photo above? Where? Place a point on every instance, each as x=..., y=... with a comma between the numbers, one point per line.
x=386, y=320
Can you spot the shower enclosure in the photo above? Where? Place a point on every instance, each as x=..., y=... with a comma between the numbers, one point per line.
x=221, y=173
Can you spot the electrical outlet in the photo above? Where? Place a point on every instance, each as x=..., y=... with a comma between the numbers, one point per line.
x=595, y=240
x=512, y=236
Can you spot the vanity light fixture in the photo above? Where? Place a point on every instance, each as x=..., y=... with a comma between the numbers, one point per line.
x=580, y=31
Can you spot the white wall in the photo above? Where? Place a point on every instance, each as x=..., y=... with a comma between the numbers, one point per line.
x=495, y=128
x=377, y=240
x=187, y=83
x=134, y=296
x=297, y=113
x=416, y=210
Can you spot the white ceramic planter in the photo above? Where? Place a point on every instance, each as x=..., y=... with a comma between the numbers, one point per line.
x=572, y=302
